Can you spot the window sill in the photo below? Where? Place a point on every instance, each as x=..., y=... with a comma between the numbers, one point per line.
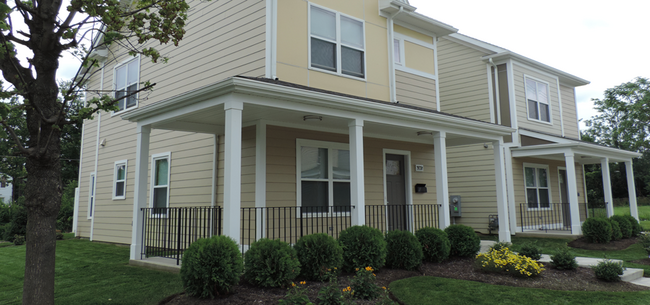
x=540, y=121
x=364, y=79
x=119, y=198
x=124, y=111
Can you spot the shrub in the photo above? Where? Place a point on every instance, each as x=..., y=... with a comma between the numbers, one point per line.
x=626, y=226
x=211, y=266
x=18, y=224
x=504, y=260
x=500, y=246
x=644, y=239
x=362, y=247
x=464, y=242
x=636, y=226
x=435, y=244
x=296, y=295
x=609, y=270
x=318, y=254
x=616, y=230
x=59, y=236
x=530, y=250
x=66, y=213
x=19, y=240
x=597, y=230
x=403, y=250
x=271, y=263
x=363, y=284
x=564, y=259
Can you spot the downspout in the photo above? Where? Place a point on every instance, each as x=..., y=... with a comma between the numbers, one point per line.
x=75, y=220
x=496, y=91
x=99, y=122
x=391, y=55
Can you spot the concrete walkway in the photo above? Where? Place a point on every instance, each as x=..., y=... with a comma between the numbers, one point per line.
x=631, y=275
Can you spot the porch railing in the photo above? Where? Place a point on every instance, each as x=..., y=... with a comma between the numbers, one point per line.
x=167, y=232
x=546, y=216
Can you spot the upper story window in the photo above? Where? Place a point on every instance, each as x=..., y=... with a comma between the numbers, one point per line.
x=537, y=97
x=337, y=42
x=537, y=186
x=126, y=82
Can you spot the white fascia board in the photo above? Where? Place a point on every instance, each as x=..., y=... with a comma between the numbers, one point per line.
x=565, y=78
x=616, y=155
x=475, y=43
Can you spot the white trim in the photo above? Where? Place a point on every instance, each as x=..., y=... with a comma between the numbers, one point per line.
x=512, y=98
x=510, y=181
x=559, y=100
x=402, y=58
x=114, y=85
x=268, y=54
x=442, y=177
x=607, y=186
x=92, y=198
x=408, y=184
x=143, y=134
x=260, y=175
x=548, y=183
x=548, y=93
x=152, y=186
x=631, y=190
x=402, y=66
x=501, y=191
x=435, y=67
x=491, y=93
x=115, y=181
x=413, y=28
x=544, y=137
x=339, y=44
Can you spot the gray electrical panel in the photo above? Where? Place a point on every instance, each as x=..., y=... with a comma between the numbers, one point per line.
x=454, y=206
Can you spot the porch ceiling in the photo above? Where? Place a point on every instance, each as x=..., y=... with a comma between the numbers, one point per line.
x=202, y=111
x=584, y=153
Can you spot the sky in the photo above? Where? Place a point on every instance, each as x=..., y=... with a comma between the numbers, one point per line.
x=603, y=41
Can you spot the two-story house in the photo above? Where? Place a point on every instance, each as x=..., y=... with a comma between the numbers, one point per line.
x=280, y=118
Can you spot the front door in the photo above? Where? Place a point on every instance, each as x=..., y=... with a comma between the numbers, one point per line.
x=395, y=192
x=564, y=199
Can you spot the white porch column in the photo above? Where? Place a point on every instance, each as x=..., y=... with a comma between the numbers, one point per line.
x=631, y=190
x=607, y=186
x=510, y=187
x=502, y=202
x=442, y=184
x=260, y=176
x=140, y=188
x=357, y=184
x=232, y=170
x=572, y=189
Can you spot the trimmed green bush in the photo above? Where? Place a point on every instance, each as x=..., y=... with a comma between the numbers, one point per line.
x=271, y=263
x=211, y=266
x=463, y=240
x=636, y=226
x=644, y=239
x=531, y=251
x=318, y=254
x=564, y=259
x=609, y=270
x=403, y=250
x=362, y=247
x=626, y=226
x=435, y=244
x=19, y=240
x=616, y=230
x=597, y=230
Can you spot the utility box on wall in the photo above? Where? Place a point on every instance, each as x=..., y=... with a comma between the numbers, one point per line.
x=454, y=206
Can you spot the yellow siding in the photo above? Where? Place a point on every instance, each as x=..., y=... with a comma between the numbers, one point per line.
x=520, y=98
x=571, y=129
x=415, y=90
x=463, y=80
x=419, y=58
x=413, y=34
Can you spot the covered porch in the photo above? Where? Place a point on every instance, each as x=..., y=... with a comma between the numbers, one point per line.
x=289, y=124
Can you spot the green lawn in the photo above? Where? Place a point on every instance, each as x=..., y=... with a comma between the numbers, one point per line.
x=89, y=273
x=644, y=212
x=426, y=290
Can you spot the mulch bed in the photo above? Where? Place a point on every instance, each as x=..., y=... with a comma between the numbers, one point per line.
x=582, y=279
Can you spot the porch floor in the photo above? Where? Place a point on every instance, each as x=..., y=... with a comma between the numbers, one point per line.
x=157, y=263
x=546, y=233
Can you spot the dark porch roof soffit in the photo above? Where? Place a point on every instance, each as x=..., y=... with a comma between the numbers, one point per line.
x=281, y=103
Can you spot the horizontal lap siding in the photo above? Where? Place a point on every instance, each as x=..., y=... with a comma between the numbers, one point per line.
x=223, y=39
x=569, y=112
x=471, y=175
x=415, y=90
x=463, y=81
x=521, y=104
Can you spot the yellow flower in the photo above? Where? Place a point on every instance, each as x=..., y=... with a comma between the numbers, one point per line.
x=303, y=283
x=293, y=284
x=369, y=269
x=384, y=287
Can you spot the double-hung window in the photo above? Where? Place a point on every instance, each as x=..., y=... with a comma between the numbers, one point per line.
x=160, y=183
x=337, y=42
x=126, y=83
x=323, y=177
x=537, y=186
x=119, y=180
x=537, y=97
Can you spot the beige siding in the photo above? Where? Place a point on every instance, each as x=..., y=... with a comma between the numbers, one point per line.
x=471, y=175
x=520, y=97
x=569, y=112
x=463, y=80
x=415, y=90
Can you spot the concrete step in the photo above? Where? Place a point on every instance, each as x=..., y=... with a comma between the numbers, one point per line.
x=631, y=274
x=644, y=281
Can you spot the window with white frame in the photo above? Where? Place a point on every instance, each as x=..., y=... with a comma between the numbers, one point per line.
x=537, y=97
x=537, y=186
x=119, y=180
x=398, y=51
x=337, y=42
x=323, y=177
x=91, y=196
x=160, y=183
x=126, y=83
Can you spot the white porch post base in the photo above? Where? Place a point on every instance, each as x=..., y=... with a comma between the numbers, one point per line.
x=502, y=202
x=357, y=184
x=442, y=185
x=631, y=190
x=140, y=189
x=232, y=170
x=607, y=186
x=572, y=189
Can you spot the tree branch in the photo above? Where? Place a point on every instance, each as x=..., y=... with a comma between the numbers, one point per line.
x=13, y=135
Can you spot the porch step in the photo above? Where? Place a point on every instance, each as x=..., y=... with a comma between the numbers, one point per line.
x=485, y=245
x=632, y=275
x=644, y=281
